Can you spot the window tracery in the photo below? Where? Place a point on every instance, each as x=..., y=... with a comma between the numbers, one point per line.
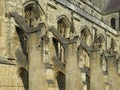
x=32, y=14
x=63, y=26
x=85, y=35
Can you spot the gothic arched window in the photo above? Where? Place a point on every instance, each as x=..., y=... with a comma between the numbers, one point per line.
x=61, y=81
x=63, y=26
x=32, y=13
x=24, y=77
x=113, y=24
x=84, y=35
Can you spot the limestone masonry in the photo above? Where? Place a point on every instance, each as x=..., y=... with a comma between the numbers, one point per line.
x=59, y=45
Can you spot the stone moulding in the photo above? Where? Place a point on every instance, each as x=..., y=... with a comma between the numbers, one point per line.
x=6, y=61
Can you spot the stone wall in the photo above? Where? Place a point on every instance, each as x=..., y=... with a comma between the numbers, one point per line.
x=9, y=78
x=52, y=54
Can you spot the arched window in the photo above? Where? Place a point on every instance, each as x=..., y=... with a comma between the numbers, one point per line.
x=113, y=24
x=24, y=77
x=86, y=35
x=63, y=26
x=33, y=13
x=61, y=80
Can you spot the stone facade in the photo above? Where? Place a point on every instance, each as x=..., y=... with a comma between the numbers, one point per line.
x=58, y=45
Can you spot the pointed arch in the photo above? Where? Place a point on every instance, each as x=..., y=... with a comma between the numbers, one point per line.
x=63, y=25
x=113, y=22
x=32, y=13
x=31, y=2
x=87, y=30
x=65, y=20
x=23, y=73
x=86, y=35
x=61, y=80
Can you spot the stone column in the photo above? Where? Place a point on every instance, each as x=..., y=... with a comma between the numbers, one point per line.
x=97, y=78
x=113, y=76
x=37, y=74
x=73, y=74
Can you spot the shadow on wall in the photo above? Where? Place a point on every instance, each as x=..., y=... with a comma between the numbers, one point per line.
x=22, y=39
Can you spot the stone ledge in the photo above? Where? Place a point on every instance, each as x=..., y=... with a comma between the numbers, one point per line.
x=6, y=61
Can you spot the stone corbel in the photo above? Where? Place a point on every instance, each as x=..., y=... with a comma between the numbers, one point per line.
x=60, y=38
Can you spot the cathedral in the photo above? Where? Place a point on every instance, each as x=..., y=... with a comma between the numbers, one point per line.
x=60, y=45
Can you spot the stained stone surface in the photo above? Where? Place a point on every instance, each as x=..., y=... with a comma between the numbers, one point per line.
x=58, y=45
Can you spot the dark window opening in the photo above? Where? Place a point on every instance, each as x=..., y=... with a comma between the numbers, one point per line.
x=24, y=76
x=113, y=23
x=61, y=81
x=55, y=42
x=88, y=82
x=22, y=39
